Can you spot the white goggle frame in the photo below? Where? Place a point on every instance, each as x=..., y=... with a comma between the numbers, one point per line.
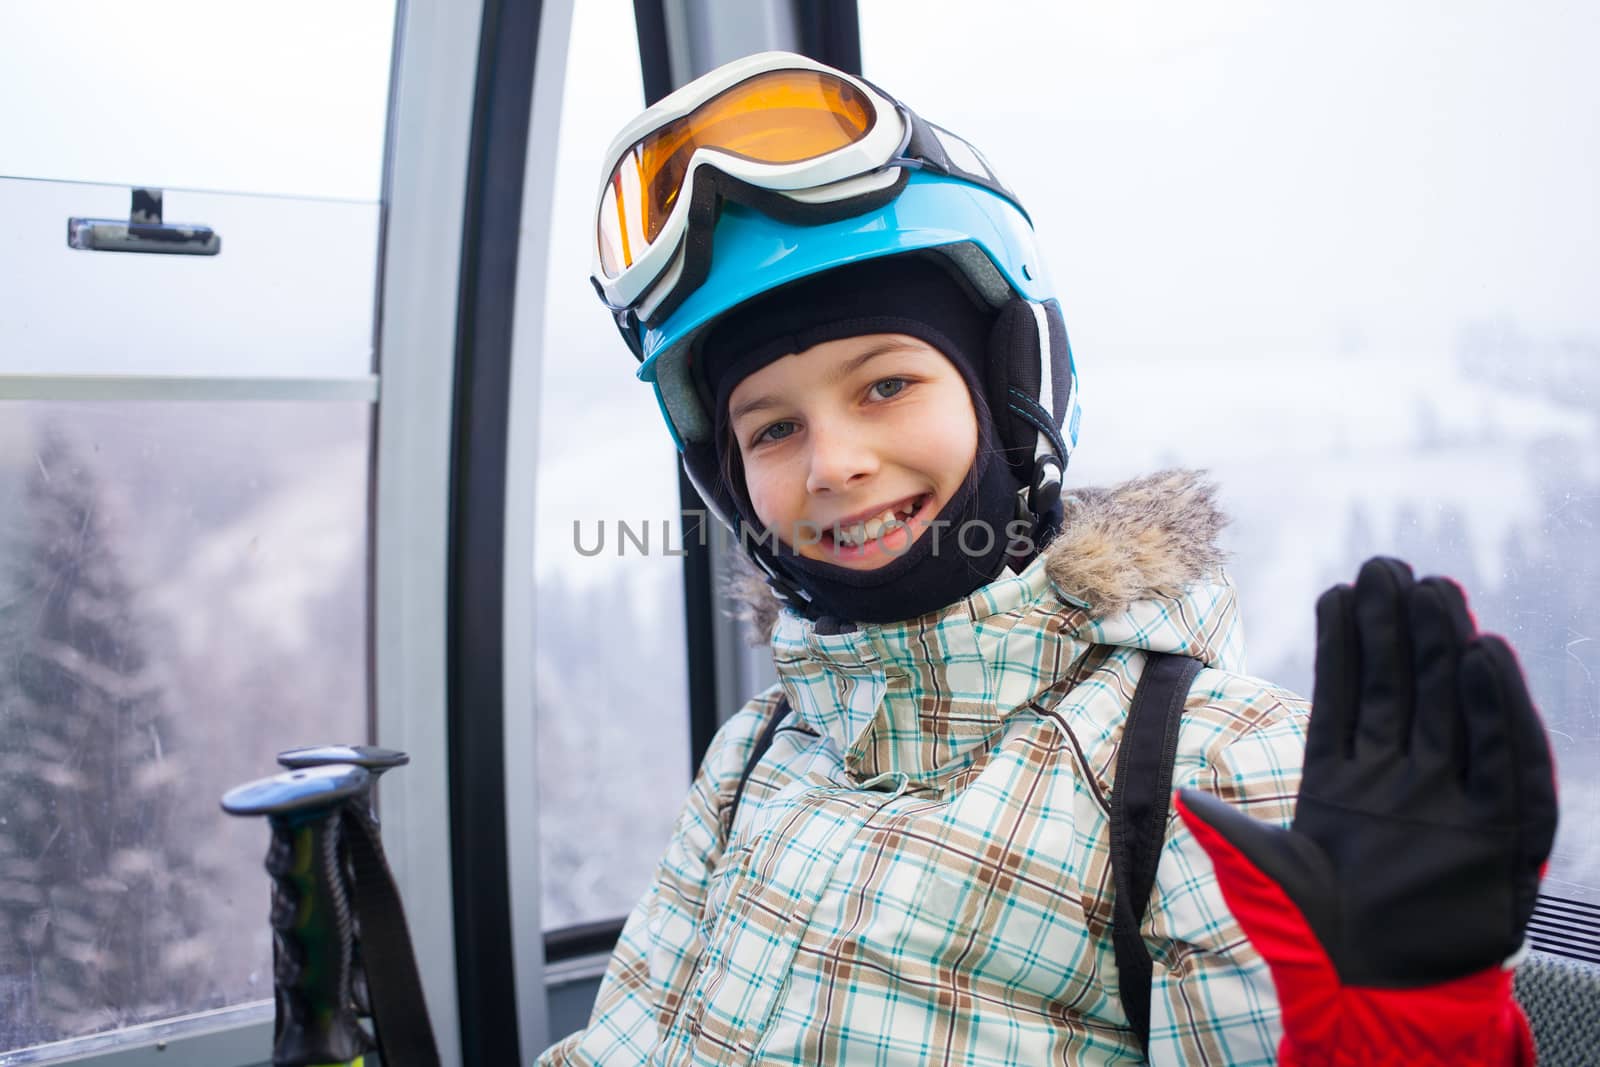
x=851, y=171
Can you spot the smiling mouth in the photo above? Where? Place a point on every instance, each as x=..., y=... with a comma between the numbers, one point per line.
x=856, y=537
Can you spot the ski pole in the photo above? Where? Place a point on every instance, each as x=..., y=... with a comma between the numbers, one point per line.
x=310, y=912
x=375, y=761
x=386, y=985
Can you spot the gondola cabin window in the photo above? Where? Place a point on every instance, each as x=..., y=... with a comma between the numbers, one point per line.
x=1364, y=234
x=184, y=480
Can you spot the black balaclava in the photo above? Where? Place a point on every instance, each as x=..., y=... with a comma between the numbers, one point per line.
x=906, y=294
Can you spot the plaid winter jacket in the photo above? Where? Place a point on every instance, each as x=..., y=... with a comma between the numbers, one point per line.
x=918, y=871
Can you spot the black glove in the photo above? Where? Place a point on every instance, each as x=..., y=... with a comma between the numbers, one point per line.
x=1426, y=814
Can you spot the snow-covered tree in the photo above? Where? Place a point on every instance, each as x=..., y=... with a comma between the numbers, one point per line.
x=94, y=870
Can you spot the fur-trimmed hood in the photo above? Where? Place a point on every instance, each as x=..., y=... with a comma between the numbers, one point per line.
x=1147, y=537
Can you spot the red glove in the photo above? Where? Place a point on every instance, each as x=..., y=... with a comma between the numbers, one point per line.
x=1426, y=813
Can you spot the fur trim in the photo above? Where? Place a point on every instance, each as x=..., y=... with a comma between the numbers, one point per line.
x=1145, y=538
x=754, y=602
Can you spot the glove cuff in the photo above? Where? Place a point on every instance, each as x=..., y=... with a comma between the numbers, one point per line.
x=1466, y=1022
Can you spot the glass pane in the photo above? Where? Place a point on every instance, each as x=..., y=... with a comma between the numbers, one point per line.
x=610, y=677
x=285, y=98
x=289, y=295
x=183, y=593
x=1344, y=258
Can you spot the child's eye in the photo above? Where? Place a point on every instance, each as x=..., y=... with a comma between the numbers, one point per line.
x=888, y=387
x=776, y=432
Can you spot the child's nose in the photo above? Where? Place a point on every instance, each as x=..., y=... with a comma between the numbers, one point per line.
x=839, y=459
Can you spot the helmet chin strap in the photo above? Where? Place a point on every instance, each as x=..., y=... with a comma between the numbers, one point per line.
x=1044, y=489
x=791, y=595
x=1039, y=505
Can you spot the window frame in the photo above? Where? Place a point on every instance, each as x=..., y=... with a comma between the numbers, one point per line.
x=677, y=41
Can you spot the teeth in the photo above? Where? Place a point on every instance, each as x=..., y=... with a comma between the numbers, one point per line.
x=862, y=532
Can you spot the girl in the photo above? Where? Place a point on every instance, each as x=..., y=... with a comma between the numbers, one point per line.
x=905, y=852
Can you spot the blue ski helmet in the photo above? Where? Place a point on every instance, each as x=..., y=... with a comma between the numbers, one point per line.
x=730, y=226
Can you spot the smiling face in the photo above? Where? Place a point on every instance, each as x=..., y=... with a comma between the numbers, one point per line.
x=852, y=447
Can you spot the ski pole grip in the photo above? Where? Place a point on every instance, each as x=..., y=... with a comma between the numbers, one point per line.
x=371, y=758
x=375, y=761
x=311, y=917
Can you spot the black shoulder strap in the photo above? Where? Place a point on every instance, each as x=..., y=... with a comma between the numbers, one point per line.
x=1141, y=796
x=763, y=742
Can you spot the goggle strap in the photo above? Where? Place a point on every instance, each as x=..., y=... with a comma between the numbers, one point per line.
x=924, y=145
x=704, y=207
x=928, y=147
x=627, y=322
x=628, y=326
x=787, y=591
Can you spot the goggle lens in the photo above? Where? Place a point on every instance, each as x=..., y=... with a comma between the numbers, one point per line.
x=783, y=116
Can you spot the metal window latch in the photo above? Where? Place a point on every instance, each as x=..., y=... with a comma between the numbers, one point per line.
x=143, y=232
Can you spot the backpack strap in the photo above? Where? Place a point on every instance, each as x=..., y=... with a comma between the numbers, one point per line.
x=780, y=711
x=1141, y=796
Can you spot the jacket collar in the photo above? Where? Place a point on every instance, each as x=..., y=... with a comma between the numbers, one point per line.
x=1136, y=566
